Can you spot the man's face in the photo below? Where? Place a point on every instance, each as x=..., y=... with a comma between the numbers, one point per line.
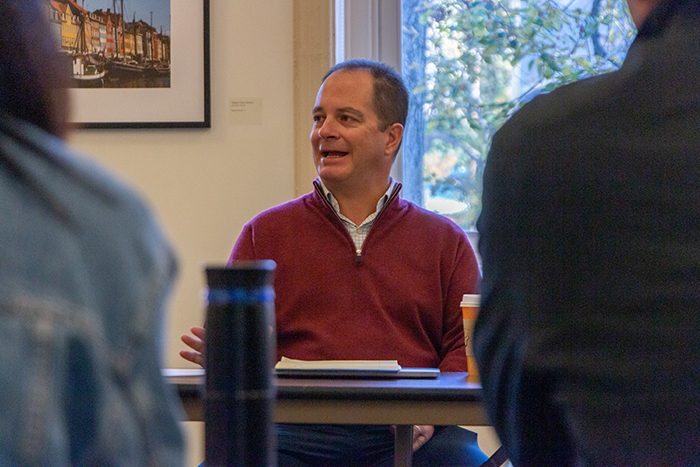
x=350, y=151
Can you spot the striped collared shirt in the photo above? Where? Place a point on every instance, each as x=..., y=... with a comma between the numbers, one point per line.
x=359, y=232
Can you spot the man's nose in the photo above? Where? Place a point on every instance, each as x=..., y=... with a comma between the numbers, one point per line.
x=329, y=129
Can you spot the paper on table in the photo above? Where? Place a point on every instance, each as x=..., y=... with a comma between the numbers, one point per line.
x=291, y=364
x=182, y=372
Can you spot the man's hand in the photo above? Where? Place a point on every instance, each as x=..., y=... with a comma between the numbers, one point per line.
x=196, y=343
x=421, y=435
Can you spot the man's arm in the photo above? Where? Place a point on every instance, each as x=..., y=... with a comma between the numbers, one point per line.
x=465, y=280
x=242, y=250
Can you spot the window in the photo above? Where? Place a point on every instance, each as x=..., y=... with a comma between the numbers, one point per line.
x=469, y=65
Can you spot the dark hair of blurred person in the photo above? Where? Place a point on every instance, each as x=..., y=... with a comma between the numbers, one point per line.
x=32, y=82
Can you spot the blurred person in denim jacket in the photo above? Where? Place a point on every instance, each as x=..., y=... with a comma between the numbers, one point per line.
x=84, y=274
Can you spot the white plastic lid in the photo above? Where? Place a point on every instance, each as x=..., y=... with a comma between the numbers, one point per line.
x=471, y=300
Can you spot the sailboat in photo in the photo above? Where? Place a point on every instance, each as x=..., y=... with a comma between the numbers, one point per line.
x=126, y=61
x=87, y=71
x=83, y=62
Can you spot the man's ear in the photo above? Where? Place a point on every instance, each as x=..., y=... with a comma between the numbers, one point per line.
x=394, y=135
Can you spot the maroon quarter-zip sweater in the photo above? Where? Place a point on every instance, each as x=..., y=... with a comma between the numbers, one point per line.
x=399, y=299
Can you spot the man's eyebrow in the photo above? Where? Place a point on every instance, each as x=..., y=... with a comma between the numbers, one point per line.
x=317, y=109
x=351, y=110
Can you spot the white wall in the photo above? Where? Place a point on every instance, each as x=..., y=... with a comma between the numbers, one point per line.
x=204, y=184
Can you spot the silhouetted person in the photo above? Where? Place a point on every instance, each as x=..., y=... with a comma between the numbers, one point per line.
x=588, y=337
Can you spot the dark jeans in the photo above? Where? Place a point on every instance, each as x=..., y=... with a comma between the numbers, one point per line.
x=370, y=446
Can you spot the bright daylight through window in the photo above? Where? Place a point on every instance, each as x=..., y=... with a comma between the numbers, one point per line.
x=471, y=63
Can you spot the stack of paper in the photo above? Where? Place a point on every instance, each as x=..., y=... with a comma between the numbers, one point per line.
x=291, y=364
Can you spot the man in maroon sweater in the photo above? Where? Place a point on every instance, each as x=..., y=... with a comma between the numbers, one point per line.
x=362, y=273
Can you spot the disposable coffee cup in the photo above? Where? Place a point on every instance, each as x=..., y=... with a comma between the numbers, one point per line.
x=470, y=309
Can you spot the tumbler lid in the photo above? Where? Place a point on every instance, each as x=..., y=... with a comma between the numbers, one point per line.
x=240, y=274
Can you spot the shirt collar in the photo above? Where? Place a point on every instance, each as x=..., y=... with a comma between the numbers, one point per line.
x=380, y=204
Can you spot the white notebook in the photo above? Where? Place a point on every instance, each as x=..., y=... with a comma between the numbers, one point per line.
x=367, y=369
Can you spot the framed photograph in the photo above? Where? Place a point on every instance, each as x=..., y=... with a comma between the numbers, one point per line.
x=136, y=63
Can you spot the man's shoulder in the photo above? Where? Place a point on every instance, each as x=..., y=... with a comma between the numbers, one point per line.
x=428, y=219
x=289, y=209
x=551, y=124
x=549, y=111
x=81, y=187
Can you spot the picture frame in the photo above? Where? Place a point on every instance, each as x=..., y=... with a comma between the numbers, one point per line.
x=185, y=104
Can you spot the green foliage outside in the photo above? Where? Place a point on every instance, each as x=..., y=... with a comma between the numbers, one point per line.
x=484, y=59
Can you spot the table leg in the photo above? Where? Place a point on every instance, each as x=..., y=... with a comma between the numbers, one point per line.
x=403, y=446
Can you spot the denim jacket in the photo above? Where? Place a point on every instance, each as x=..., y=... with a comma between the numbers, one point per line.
x=84, y=275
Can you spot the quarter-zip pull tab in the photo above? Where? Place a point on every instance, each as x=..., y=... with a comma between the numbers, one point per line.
x=358, y=256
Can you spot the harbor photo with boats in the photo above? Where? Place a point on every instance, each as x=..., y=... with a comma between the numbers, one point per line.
x=107, y=44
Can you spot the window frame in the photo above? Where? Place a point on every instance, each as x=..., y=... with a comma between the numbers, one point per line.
x=370, y=29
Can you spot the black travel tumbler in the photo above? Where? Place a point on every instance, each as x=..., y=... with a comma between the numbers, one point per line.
x=240, y=396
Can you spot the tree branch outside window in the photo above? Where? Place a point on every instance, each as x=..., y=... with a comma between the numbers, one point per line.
x=471, y=64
